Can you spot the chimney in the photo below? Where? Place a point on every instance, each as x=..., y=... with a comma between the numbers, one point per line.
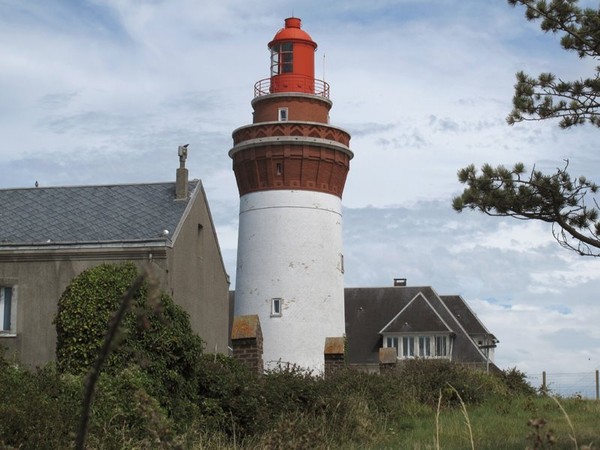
x=399, y=281
x=181, y=179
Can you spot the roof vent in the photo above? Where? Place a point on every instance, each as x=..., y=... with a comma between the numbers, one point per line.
x=399, y=281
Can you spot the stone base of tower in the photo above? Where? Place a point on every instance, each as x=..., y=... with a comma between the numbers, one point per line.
x=290, y=273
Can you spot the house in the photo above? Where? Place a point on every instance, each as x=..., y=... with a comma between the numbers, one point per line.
x=417, y=322
x=48, y=235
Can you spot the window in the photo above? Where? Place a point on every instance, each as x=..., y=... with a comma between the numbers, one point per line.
x=283, y=114
x=408, y=346
x=7, y=310
x=441, y=346
x=392, y=341
x=282, y=58
x=419, y=346
x=276, y=307
x=278, y=169
x=424, y=346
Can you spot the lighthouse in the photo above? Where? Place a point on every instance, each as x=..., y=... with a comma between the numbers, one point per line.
x=290, y=166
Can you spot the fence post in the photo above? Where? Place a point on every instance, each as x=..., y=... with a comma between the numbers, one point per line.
x=544, y=386
x=597, y=386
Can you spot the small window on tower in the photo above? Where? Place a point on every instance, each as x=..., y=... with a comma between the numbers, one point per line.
x=276, y=307
x=278, y=169
x=283, y=114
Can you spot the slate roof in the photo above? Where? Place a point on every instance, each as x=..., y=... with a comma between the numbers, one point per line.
x=417, y=316
x=467, y=317
x=90, y=214
x=369, y=310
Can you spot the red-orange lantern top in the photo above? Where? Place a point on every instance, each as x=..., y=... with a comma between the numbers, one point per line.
x=292, y=59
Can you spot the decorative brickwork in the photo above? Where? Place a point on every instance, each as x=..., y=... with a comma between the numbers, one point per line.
x=309, y=130
x=388, y=359
x=290, y=166
x=247, y=342
x=334, y=354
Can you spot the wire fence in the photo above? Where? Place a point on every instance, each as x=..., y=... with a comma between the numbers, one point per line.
x=580, y=384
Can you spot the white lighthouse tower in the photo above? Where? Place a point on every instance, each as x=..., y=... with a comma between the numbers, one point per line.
x=291, y=166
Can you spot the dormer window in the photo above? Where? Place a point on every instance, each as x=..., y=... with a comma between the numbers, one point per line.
x=282, y=114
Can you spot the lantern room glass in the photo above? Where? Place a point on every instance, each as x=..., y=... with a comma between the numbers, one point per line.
x=282, y=58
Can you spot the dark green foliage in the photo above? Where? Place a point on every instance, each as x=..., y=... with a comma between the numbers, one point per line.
x=546, y=96
x=124, y=407
x=156, y=335
x=556, y=199
x=287, y=408
x=37, y=408
x=230, y=396
x=41, y=410
x=424, y=379
x=516, y=382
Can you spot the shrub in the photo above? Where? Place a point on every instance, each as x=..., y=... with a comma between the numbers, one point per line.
x=230, y=397
x=156, y=334
x=38, y=409
x=516, y=382
x=425, y=378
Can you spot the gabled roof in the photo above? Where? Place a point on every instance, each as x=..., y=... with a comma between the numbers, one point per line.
x=417, y=316
x=369, y=310
x=90, y=214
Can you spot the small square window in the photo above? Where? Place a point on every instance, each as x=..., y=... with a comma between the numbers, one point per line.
x=283, y=114
x=276, y=307
x=7, y=310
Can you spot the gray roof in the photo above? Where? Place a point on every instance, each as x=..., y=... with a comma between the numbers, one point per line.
x=369, y=310
x=90, y=214
x=418, y=316
x=467, y=317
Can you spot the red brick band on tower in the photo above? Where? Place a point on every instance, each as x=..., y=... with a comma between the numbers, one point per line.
x=290, y=144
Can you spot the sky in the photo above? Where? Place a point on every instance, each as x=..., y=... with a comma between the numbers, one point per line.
x=103, y=92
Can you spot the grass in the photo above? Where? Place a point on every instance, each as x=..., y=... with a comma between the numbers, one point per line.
x=502, y=425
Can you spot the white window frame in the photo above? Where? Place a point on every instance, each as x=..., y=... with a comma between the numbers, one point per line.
x=276, y=306
x=283, y=114
x=11, y=330
x=419, y=345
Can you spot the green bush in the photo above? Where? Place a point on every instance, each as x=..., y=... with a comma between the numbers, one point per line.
x=424, y=379
x=125, y=415
x=156, y=335
x=230, y=397
x=38, y=410
x=516, y=382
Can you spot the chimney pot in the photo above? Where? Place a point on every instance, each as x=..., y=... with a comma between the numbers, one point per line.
x=399, y=281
